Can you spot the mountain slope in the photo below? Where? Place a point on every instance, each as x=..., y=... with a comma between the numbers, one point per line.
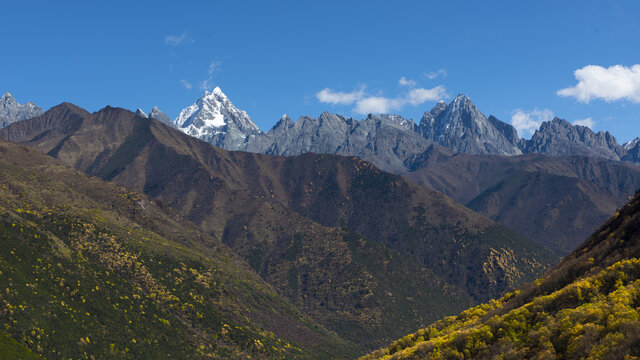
x=12, y=111
x=91, y=268
x=293, y=218
x=587, y=307
x=556, y=200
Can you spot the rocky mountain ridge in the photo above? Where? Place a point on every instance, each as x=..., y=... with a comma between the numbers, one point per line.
x=390, y=141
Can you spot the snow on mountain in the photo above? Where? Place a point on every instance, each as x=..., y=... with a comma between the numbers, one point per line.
x=213, y=118
x=631, y=144
x=139, y=112
x=12, y=111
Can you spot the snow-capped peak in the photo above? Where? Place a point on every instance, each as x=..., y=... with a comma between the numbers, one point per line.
x=213, y=117
x=11, y=110
x=139, y=112
x=7, y=97
x=218, y=91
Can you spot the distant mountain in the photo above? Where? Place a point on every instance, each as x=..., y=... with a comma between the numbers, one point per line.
x=343, y=240
x=555, y=200
x=559, y=137
x=214, y=119
x=12, y=111
x=92, y=269
x=633, y=154
x=157, y=114
x=389, y=141
x=461, y=127
x=587, y=307
x=385, y=140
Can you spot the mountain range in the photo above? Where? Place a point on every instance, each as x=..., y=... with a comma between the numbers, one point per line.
x=309, y=212
x=389, y=141
x=304, y=223
x=451, y=150
x=580, y=177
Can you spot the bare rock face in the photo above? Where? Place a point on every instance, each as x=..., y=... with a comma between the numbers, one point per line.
x=12, y=111
x=461, y=127
x=559, y=137
x=385, y=140
x=633, y=153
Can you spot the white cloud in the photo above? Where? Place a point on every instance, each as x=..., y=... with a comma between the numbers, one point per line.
x=175, y=40
x=328, y=96
x=588, y=122
x=434, y=74
x=365, y=104
x=613, y=83
x=381, y=105
x=187, y=85
x=378, y=105
x=420, y=95
x=406, y=82
x=527, y=122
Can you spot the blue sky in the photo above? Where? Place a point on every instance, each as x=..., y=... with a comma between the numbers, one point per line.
x=301, y=57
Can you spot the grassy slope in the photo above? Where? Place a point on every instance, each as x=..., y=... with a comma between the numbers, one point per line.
x=11, y=349
x=587, y=307
x=89, y=268
x=596, y=317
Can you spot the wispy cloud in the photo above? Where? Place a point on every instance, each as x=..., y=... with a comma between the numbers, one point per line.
x=365, y=103
x=213, y=67
x=435, y=74
x=609, y=84
x=187, y=85
x=407, y=82
x=328, y=96
x=175, y=40
x=526, y=122
x=588, y=122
